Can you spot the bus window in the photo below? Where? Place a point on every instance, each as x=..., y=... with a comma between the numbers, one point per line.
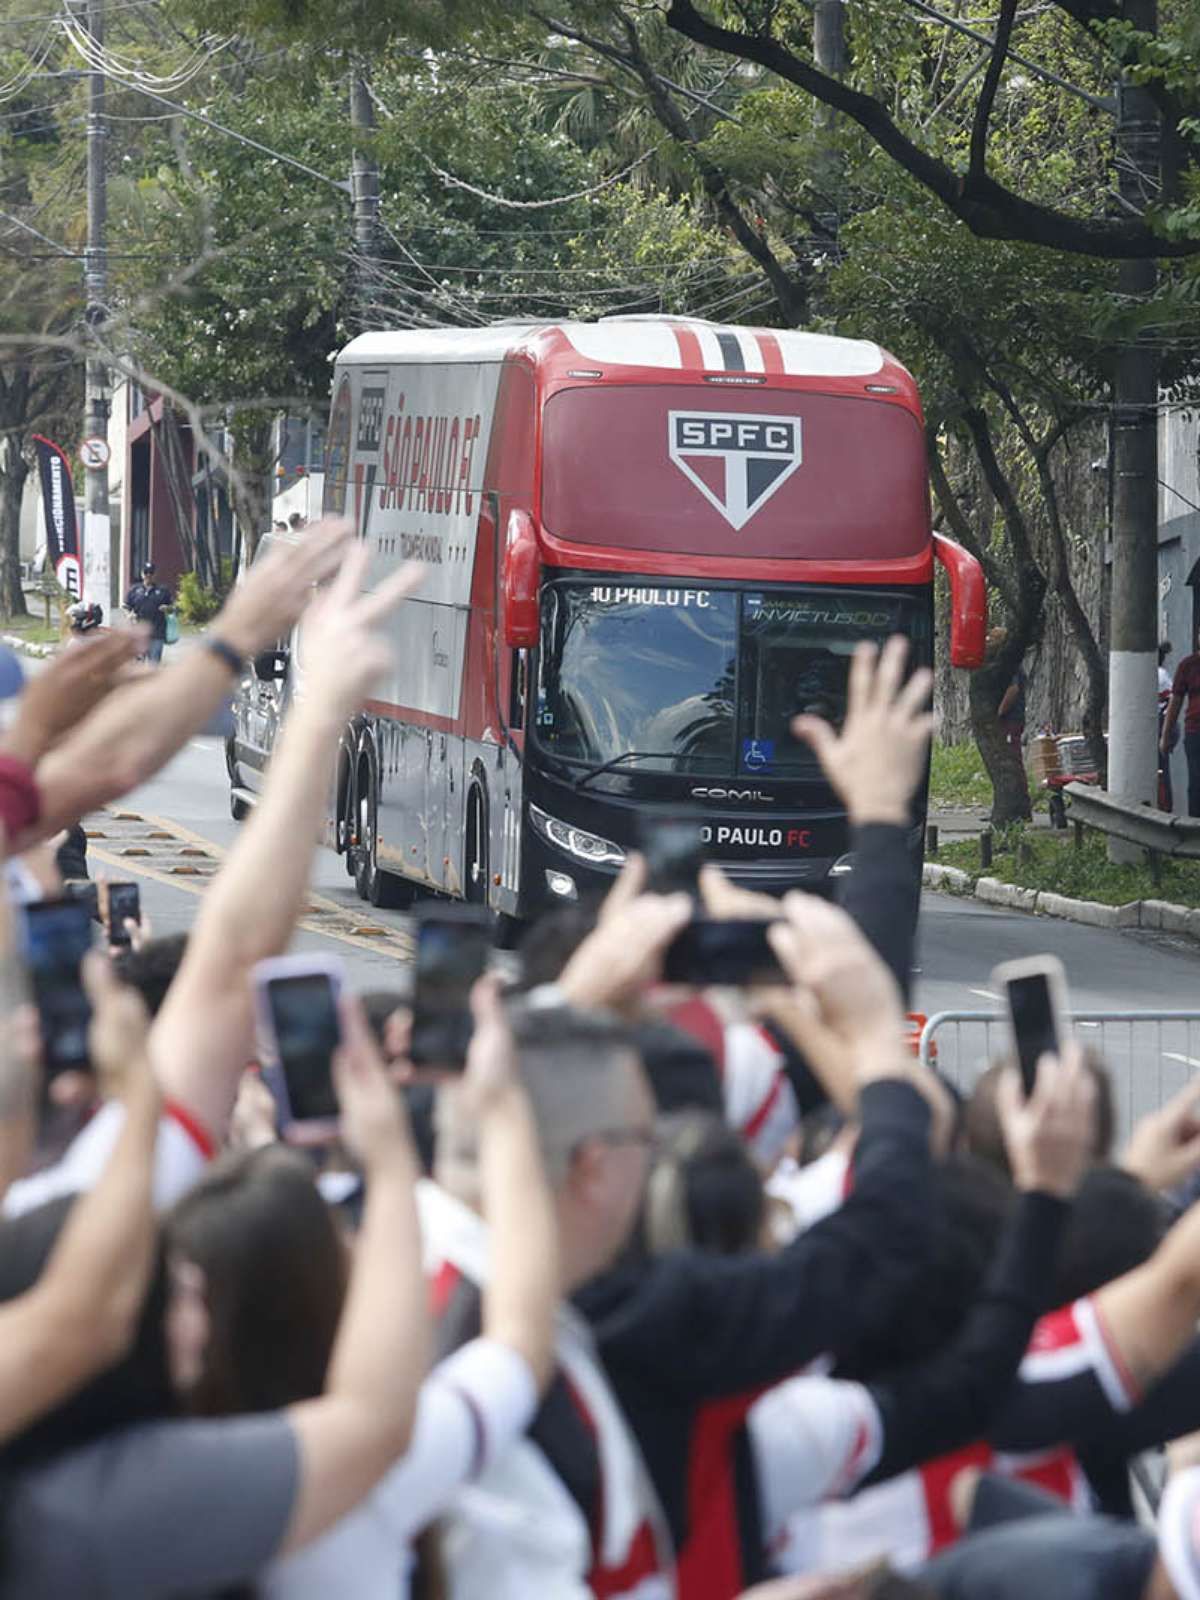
x=794, y=657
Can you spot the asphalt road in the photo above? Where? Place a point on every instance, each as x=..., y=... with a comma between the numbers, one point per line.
x=960, y=942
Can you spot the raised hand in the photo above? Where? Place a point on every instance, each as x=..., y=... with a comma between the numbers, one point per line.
x=1050, y=1136
x=373, y=1120
x=266, y=605
x=1164, y=1147
x=119, y=1028
x=69, y=687
x=342, y=653
x=877, y=760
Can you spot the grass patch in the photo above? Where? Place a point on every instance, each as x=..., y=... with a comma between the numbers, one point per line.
x=958, y=779
x=33, y=629
x=1041, y=860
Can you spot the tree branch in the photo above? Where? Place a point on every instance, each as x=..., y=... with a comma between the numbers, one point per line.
x=988, y=208
x=959, y=526
x=977, y=167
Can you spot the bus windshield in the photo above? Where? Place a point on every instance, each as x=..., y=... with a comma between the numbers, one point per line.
x=703, y=682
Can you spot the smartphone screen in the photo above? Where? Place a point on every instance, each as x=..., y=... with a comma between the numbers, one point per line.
x=674, y=852
x=452, y=954
x=722, y=952
x=304, y=1018
x=1031, y=1006
x=124, y=904
x=58, y=934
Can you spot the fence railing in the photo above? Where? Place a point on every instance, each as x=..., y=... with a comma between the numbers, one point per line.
x=1150, y=1055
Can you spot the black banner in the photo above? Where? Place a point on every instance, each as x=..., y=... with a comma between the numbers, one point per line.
x=58, y=503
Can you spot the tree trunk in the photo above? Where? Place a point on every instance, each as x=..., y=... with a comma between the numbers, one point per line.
x=14, y=470
x=248, y=484
x=1005, y=766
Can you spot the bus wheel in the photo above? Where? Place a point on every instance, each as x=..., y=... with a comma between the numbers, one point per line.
x=238, y=809
x=377, y=887
x=476, y=881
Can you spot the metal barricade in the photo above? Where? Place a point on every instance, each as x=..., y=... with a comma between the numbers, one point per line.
x=1150, y=1055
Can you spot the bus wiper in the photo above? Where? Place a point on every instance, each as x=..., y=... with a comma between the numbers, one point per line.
x=616, y=761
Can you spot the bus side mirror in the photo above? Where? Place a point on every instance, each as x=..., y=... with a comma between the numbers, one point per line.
x=522, y=572
x=271, y=665
x=968, y=602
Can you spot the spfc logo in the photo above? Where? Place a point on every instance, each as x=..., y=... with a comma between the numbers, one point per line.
x=737, y=462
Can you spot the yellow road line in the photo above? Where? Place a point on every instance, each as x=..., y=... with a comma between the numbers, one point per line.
x=136, y=867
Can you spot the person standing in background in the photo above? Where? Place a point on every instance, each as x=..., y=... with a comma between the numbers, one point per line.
x=1185, y=686
x=1166, y=796
x=149, y=602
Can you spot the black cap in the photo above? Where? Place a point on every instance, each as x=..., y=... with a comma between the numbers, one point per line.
x=147, y=566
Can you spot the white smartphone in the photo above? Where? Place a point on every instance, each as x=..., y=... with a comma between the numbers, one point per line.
x=1035, y=994
x=296, y=1001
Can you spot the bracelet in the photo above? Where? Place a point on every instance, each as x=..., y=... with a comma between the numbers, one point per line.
x=226, y=653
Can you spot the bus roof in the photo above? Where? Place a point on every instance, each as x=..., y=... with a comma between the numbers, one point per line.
x=663, y=343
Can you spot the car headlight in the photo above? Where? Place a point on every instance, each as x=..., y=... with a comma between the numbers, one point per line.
x=577, y=842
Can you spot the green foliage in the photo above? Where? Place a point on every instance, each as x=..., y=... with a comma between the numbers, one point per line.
x=194, y=602
x=957, y=777
x=1040, y=859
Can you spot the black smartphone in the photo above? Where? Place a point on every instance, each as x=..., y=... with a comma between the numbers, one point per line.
x=122, y=903
x=453, y=945
x=297, y=1002
x=1036, y=993
x=58, y=934
x=708, y=951
x=674, y=852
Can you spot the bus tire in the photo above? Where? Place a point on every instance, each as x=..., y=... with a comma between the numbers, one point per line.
x=238, y=809
x=381, y=889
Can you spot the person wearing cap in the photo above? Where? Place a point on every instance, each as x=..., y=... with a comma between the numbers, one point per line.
x=149, y=601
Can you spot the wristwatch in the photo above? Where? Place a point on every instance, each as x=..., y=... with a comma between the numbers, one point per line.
x=226, y=653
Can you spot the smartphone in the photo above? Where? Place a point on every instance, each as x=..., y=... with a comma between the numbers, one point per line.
x=1035, y=991
x=708, y=951
x=453, y=945
x=120, y=903
x=57, y=936
x=296, y=999
x=674, y=852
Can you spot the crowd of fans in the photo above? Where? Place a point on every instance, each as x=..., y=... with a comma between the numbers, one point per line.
x=713, y=1294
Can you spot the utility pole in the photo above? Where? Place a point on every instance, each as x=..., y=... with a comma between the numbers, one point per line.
x=1133, y=638
x=829, y=53
x=364, y=192
x=97, y=552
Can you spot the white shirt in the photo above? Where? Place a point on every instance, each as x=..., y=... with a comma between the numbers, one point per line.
x=179, y=1160
x=472, y=1408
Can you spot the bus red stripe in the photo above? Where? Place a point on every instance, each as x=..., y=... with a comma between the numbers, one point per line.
x=771, y=353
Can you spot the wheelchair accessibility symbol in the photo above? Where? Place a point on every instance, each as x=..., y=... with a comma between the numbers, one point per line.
x=757, y=754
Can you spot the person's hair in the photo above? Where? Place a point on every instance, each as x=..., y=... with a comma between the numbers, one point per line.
x=704, y=1191
x=1164, y=650
x=275, y=1276
x=135, y=1389
x=981, y=1121
x=1116, y=1224
x=972, y=1204
x=295, y=520
x=683, y=1075
x=552, y=940
x=152, y=969
x=574, y=1066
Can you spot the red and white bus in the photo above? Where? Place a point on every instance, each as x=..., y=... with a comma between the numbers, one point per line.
x=649, y=543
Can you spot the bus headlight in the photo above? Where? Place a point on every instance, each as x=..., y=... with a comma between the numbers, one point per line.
x=842, y=866
x=584, y=846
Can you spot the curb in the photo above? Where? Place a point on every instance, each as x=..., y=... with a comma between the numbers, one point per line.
x=24, y=648
x=1159, y=915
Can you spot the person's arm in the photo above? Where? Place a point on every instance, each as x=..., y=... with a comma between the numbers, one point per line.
x=139, y=727
x=202, y=1035
x=948, y=1401
x=1174, y=705
x=1008, y=699
x=875, y=765
x=82, y=1312
x=523, y=1287
x=763, y=1316
x=349, y=1437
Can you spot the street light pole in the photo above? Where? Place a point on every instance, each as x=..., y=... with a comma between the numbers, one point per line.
x=364, y=193
x=96, y=526
x=1133, y=637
